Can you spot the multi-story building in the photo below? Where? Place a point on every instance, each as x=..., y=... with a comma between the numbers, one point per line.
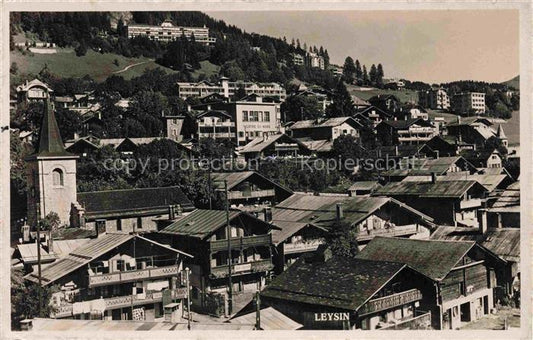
x=116, y=276
x=204, y=234
x=436, y=99
x=316, y=60
x=409, y=131
x=228, y=89
x=468, y=103
x=168, y=32
x=33, y=91
x=298, y=59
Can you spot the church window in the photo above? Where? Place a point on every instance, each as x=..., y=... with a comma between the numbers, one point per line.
x=57, y=177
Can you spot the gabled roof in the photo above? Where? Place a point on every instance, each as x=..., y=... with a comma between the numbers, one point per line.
x=339, y=282
x=236, y=178
x=35, y=82
x=369, y=109
x=260, y=143
x=203, y=223
x=435, y=259
x=504, y=242
x=472, y=120
x=428, y=166
x=331, y=122
x=28, y=251
x=439, y=189
x=321, y=145
x=50, y=143
x=133, y=202
x=87, y=253
x=404, y=124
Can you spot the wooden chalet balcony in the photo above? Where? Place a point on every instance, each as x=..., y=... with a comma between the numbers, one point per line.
x=242, y=268
x=66, y=310
x=421, y=320
x=217, y=135
x=471, y=203
x=300, y=247
x=396, y=231
x=133, y=275
x=391, y=301
x=241, y=242
x=251, y=194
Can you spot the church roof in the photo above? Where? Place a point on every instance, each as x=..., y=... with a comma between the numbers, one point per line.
x=500, y=134
x=50, y=143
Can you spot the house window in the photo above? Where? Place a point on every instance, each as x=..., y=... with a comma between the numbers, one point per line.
x=244, y=116
x=139, y=223
x=57, y=177
x=266, y=116
x=119, y=225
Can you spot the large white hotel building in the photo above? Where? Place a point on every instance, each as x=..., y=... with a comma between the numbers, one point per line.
x=168, y=32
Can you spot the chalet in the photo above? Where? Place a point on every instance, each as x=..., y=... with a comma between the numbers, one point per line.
x=328, y=129
x=362, y=188
x=463, y=273
x=215, y=124
x=447, y=146
x=387, y=102
x=503, y=242
x=247, y=188
x=322, y=291
x=359, y=103
x=490, y=158
x=504, y=207
x=374, y=114
x=305, y=221
x=79, y=103
x=476, y=130
x=322, y=96
x=409, y=131
x=279, y=145
x=33, y=91
x=115, y=277
x=203, y=233
x=128, y=210
x=84, y=145
x=51, y=250
x=430, y=166
x=449, y=202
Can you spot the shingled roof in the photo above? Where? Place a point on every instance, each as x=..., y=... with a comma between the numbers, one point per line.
x=435, y=259
x=339, y=282
x=137, y=201
x=451, y=189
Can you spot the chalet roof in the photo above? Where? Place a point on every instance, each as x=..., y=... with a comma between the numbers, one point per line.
x=509, y=197
x=299, y=211
x=331, y=122
x=339, y=282
x=260, y=143
x=235, y=178
x=321, y=145
x=50, y=143
x=28, y=251
x=439, y=189
x=358, y=101
x=35, y=82
x=477, y=156
x=87, y=253
x=404, y=124
x=430, y=166
x=472, y=120
x=132, y=201
x=435, y=259
x=202, y=223
x=364, y=185
x=504, y=242
x=271, y=320
x=374, y=108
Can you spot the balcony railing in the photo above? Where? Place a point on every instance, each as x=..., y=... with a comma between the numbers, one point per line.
x=66, y=310
x=241, y=242
x=422, y=320
x=130, y=276
x=391, y=301
x=251, y=194
x=396, y=231
x=471, y=203
x=300, y=247
x=217, y=135
x=242, y=268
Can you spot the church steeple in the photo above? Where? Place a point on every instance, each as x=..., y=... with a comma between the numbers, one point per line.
x=500, y=133
x=50, y=143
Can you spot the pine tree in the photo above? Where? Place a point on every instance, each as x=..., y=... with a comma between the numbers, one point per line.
x=373, y=75
x=348, y=70
x=358, y=70
x=380, y=75
x=342, y=104
x=365, y=76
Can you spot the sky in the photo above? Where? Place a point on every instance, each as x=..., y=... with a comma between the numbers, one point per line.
x=430, y=46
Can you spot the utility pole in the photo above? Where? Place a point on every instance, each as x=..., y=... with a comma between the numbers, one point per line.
x=230, y=285
x=39, y=257
x=257, y=311
x=188, y=284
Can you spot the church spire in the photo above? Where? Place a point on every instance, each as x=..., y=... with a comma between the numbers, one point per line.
x=500, y=133
x=50, y=143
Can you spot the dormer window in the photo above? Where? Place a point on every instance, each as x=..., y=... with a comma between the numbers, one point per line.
x=57, y=178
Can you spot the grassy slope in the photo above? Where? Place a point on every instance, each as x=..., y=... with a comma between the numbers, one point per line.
x=66, y=64
x=515, y=82
x=206, y=68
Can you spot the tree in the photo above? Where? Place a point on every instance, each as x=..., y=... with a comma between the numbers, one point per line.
x=300, y=108
x=379, y=76
x=25, y=297
x=342, y=104
x=366, y=80
x=348, y=70
x=13, y=69
x=69, y=123
x=373, y=75
x=342, y=240
x=81, y=49
x=358, y=71
x=50, y=222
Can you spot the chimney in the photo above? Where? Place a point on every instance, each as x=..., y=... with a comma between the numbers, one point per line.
x=171, y=213
x=433, y=177
x=178, y=211
x=100, y=227
x=25, y=233
x=268, y=214
x=396, y=150
x=482, y=220
x=208, y=107
x=339, y=212
x=189, y=108
x=458, y=119
x=76, y=136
